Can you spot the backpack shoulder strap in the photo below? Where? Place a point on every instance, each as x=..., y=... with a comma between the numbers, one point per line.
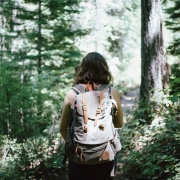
x=79, y=88
x=104, y=87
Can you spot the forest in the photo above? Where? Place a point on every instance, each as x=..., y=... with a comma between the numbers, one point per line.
x=41, y=43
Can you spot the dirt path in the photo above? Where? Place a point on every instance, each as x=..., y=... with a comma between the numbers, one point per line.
x=129, y=100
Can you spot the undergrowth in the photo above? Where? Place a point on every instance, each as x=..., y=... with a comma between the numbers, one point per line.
x=151, y=149
x=35, y=158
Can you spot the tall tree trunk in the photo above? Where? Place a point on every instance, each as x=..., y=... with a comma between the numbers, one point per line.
x=39, y=38
x=154, y=68
x=2, y=26
x=39, y=99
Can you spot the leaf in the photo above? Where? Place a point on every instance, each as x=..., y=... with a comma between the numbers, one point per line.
x=155, y=177
x=142, y=120
x=175, y=99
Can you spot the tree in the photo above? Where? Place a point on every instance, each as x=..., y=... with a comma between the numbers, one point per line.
x=7, y=37
x=38, y=56
x=154, y=67
x=173, y=24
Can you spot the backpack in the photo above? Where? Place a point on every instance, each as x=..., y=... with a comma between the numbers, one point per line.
x=92, y=138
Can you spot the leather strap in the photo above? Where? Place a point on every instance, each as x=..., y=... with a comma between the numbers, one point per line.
x=94, y=86
x=103, y=87
x=84, y=108
x=98, y=112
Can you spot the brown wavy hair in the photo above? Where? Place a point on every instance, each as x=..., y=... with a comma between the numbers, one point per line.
x=93, y=68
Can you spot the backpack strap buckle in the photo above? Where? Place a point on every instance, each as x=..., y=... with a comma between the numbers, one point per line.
x=98, y=110
x=84, y=107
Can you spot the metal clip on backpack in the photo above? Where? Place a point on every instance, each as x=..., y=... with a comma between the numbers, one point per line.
x=92, y=138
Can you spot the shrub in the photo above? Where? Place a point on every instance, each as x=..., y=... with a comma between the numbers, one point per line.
x=35, y=158
x=151, y=151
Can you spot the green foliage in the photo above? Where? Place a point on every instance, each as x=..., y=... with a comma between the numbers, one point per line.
x=175, y=79
x=158, y=158
x=21, y=115
x=151, y=151
x=38, y=55
x=30, y=159
x=173, y=24
x=37, y=59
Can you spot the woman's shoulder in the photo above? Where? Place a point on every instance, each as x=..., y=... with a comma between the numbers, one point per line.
x=115, y=92
x=113, y=89
x=70, y=96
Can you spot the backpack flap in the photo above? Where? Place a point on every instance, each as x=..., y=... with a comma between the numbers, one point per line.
x=97, y=128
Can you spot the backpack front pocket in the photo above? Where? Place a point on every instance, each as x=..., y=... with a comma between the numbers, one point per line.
x=94, y=154
x=89, y=154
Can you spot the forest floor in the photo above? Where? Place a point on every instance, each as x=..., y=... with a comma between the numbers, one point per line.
x=128, y=100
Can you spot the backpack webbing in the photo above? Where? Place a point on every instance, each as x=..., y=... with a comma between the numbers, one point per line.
x=79, y=88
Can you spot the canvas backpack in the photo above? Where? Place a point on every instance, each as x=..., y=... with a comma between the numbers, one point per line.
x=92, y=138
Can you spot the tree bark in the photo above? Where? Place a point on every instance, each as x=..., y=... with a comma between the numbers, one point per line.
x=2, y=26
x=154, y=67
x=39, y=37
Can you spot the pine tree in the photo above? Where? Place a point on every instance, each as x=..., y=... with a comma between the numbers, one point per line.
x=52, y=35
x=7, y=38
x=173, y=24
x=37, y=51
